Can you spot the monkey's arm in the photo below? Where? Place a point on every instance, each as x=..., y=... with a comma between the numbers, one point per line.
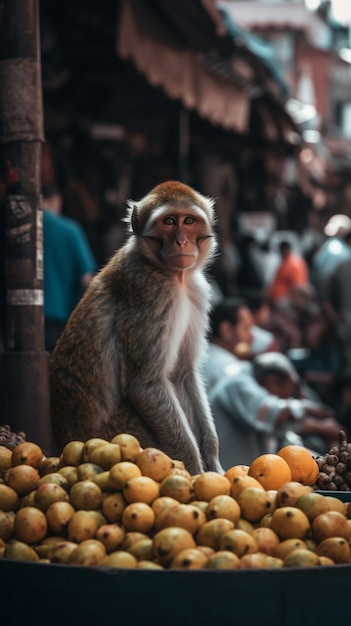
x=155, y=402
x=200, y=415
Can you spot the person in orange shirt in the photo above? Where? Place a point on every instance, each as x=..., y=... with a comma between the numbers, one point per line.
x=292, y=271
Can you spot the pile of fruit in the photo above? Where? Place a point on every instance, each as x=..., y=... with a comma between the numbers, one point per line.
x=335, y=467
x=113, y=504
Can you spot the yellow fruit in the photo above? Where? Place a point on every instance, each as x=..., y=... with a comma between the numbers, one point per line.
x=258, y=560
x=162, y=503
x=103, y=481
x=29, y=499
x=223, y=506
x=288, y=545
x=211, y=532
x=180, y=472
x=222, y=559
x=178, y=464
x=149, y=565
x=141, y=489
x=54, y=477
x=304, y=469
x=5, y=458
x=85, y=495
x=200, y=504
x=207, y=550
x=289, y=522
x=90, y=552
x=325, y=560
x=106, y=456
x=254, y=503
x=113, y=506
x=271, y=471
x=154, y=463
x=272, y=494
x=240, y=483
x=267, y=540
x=121, y=473
x=30, y=525
x=243, y=524
x=236, y=470
x=111, y=535
x=98, y=517
x=191, y=558
x=168, y=542
x=142, y=549
x=9, y=500
x=19, y=551
x=177, y=487
x=44, y=548
x=183, y=516
x=312, y=504
x=335, y=504
x=336, y=548
x=72, y=453
x=58, y=516
x=6, y=524
x=89, y=446
x=48, y=493
x=132, y=537
x=273, y=562
x=61, y=550
x=81, y=526
x=70, y=473
x=301, y=558
x=23, y=478
x=138, y=516
x=49, y=464
x=27, y=453
x=330, y=524
x=210, y=484
x=239, y=542
x=266, y=520
x=88, y=470
x=288, y=493
x=129, y=446
x=120, y=559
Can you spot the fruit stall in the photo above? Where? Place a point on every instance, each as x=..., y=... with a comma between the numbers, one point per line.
x=111, y=532
x=59, y=594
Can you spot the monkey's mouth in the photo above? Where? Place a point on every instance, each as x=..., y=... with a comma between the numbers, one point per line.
x=181, y=260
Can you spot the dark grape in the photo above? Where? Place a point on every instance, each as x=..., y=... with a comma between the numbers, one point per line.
x=335, y=467
x=10, y=439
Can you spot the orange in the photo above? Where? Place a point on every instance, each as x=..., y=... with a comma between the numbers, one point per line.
x=304, y=469
x=271, y=471
x=236, y=470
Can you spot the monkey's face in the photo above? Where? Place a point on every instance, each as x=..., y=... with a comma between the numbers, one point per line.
x=182, y=236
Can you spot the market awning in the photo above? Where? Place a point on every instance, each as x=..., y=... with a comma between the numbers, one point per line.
x=205, y=64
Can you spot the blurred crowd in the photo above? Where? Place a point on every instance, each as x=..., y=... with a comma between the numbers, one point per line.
x=297, y=310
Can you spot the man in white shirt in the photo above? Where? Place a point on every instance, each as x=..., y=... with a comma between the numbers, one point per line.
x=250, y=420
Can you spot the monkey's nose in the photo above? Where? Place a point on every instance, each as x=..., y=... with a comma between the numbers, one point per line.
x=180, y=238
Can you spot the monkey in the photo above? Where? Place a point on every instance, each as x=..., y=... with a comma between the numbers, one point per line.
x=129, y=358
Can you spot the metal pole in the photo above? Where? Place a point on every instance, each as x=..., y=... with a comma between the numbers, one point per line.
x=24, y=403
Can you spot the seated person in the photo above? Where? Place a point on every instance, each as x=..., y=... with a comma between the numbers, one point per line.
x=250, y=420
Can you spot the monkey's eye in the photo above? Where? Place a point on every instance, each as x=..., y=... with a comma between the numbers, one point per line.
x=169, y=220
x=189, y=220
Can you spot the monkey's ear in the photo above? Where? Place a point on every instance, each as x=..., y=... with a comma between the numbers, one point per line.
x=134, y=220
x=131, y=218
